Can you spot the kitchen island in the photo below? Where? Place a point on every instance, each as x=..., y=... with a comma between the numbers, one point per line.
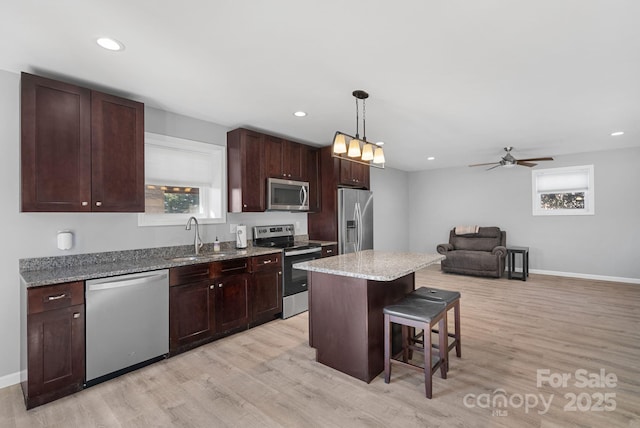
x=346, y=297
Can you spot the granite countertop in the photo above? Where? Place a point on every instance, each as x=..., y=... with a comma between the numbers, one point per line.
x=371, y=264
x=55, y=270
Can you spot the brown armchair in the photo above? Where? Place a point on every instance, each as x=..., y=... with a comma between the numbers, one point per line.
x=479, y=254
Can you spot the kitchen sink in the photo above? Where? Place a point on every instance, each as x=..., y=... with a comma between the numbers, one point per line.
x=187, y=258
x=207, y=256
x=223, y=253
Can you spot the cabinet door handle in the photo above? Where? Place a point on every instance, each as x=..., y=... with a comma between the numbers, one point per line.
x=211, y=287
x=85, y=203
x=58, y=297
x=98, y=204
x=266, y=262
x=76, y=315
x=220, y=285
x=244, y=266
x=329, y=251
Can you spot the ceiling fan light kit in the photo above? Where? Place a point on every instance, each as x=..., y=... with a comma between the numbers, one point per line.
x=508, y=161
x=359, y=149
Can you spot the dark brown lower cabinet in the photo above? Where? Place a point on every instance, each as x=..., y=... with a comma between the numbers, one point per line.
x=54, y=343
x=329, y=250
x=232, y=303
x=191, y=315
x=207, y=301
x=265, y=297
x=191, y=307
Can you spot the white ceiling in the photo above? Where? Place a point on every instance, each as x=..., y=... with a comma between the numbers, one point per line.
x=457, y=80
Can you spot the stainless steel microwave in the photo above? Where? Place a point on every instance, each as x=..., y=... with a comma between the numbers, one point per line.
x=287, y=195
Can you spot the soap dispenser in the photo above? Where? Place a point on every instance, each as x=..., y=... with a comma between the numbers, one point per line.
x=216, y=245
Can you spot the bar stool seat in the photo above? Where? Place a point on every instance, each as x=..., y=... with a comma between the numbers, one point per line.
x=423, y=314
x=452, y=301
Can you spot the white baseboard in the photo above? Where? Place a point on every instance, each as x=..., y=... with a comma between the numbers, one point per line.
x=579, y=275
x=587, y=276
x=10, y=379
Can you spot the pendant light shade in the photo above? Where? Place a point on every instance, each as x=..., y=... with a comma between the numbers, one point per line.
x=339, y=144
x=359, y=149
x=354, y=149
x=367, y=152
x=378, y=155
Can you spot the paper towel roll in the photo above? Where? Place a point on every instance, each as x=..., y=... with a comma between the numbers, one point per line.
x=241, y=236
x=65, y=240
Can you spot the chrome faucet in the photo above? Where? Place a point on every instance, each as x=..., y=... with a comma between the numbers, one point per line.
x=197, y=242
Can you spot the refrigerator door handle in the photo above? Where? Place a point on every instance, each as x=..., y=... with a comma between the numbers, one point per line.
x=360, y=227
x=358, y=219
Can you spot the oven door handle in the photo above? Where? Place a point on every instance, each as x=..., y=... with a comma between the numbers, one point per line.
x=305, y=251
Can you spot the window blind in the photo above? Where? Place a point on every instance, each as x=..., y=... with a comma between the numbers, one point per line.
x=565, y=181
x=179, y=166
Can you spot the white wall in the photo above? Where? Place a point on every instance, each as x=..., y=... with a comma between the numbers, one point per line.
x=34, y=234
x=390, y=209
x=605, y=244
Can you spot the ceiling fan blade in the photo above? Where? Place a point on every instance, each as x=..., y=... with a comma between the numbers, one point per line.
x=537, y=159
x=529, y=164
x=489, y=169
x=484, y=164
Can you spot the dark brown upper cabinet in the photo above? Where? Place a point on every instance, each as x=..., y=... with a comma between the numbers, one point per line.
x=313, y=174
x=285, y=159
x=246, y=182
x=334, y=173
x=354, y=174
x=82, y=150
x=252, y=157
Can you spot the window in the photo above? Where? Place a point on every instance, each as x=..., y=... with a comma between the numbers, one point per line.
x=563, y=191
x=183, y=178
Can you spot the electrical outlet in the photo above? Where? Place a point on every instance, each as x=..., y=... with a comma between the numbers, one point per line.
x=233, y=228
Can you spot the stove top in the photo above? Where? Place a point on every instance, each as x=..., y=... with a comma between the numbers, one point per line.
x=279, y=236
x=276, y=232
x=287, y=245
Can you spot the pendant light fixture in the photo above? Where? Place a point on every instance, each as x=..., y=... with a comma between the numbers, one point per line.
x=359, y=150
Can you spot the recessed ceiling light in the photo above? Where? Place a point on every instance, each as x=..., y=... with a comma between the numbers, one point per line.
x=110, y=44
x=299, y=114
x=431, y=158
x=615, y=134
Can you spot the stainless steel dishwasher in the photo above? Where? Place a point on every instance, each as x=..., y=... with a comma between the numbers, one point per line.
x=127, y=323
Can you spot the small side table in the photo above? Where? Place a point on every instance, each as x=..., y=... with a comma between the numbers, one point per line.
x=511, y=261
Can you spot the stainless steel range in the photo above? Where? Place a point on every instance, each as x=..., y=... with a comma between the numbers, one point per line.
x=294, y=281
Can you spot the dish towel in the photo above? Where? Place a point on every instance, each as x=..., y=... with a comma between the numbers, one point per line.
x=465, y=230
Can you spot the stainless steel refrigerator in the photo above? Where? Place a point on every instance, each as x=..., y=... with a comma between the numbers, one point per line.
x=355, y=220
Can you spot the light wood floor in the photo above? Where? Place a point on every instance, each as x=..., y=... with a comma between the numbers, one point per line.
x=267, y=377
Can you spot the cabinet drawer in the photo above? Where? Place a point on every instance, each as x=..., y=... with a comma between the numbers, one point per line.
x=229, y=267
x=266, y=262
x=329, y=250
x=188, y=274
x=50, y=297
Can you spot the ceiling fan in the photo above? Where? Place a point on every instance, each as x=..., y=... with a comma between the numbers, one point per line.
x=508, y=161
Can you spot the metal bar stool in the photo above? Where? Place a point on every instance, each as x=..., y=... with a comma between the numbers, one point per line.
x=423, y=314
x=452, y=301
